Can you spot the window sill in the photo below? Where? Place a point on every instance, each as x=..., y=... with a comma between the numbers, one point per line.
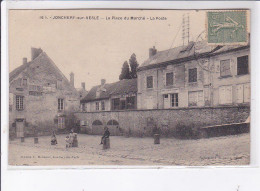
x=242, y=75
x=221, y=77
x=192, y=83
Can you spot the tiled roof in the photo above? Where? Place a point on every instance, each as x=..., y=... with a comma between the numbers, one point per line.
x=182, y=52
x=121, y=87
x=41, y=58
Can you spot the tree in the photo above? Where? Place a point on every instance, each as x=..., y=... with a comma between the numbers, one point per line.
x=134, y=65
x=125, y=72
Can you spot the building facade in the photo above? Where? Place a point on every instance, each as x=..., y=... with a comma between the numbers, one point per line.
x=40, y=96
x=120, y=95
x=195, y=75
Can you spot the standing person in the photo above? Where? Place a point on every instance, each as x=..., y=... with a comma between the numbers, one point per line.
x=53, y=139
x=67, y=139
x=71, y=137
x=105, y=135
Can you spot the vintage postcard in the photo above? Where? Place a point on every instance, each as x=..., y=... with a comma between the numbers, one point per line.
x=129, y=87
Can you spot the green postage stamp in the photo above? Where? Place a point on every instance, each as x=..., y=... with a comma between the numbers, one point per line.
x=227, y=27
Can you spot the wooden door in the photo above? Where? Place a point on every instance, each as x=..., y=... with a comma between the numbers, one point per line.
x=20, y=129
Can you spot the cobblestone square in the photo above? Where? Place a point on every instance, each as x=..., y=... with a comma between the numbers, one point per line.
x=218, y=151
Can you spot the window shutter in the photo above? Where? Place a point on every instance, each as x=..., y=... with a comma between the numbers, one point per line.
x=164, y=78
x=246, y=92
x=239, y=93
x=228, y=94
x=221, y=95
x=200, y=98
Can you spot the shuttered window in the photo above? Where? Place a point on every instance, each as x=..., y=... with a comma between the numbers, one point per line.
x=243, y=93
x=225, y=68
x=225, y=95
x=196, y=98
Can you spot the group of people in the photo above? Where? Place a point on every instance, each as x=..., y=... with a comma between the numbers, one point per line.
x=71, y=139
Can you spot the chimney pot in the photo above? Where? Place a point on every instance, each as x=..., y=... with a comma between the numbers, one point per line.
x=72, y=79
x=152, y=51
x=35, y=52
x=83, y=85
x=103, y=81
x=24, y=60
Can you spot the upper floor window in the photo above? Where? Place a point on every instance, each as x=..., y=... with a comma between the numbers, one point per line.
x=149, y=81
x=59, y=84
x=60, y=104
x=193, y=75
x=19, y=103
x=225, y=68
x=242, y=65
x=103, y=105
x=24, y=82
x=169, y=79
x=97, y=106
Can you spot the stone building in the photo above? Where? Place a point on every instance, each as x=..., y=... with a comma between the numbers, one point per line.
x=195, y=75
x=120, y=95
x=40, y=96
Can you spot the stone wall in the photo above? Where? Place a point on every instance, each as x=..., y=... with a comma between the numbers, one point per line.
x=142, y=122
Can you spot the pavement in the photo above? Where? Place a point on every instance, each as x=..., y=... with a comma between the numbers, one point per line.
x=217, y=151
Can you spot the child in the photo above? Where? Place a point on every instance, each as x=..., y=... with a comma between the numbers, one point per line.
x=53, y=139
x=68, y=142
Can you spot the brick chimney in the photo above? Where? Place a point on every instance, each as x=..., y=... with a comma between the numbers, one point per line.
x=24, y=60
x=83, y=85
x=152, y=52
x=72, y=79
x=35, y=52
x=103, y=82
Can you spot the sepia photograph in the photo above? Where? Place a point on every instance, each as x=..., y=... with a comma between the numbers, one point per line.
x=129, y=87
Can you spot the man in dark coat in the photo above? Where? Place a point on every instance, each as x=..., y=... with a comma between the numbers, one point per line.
x=105, y=135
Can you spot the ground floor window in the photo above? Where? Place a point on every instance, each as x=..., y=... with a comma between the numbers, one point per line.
x=196, y=98
x=83, y=107
x=116, y=104
x=103, y=105
x=130, y=102
x=174, y=100
x=61, y=122
x=243, y=93
x=225, y=95
x=97, y=106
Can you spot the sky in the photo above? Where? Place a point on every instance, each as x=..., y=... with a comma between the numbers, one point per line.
x=96, y=49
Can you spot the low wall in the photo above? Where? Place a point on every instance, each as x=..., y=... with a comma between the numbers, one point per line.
x=143, y=122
